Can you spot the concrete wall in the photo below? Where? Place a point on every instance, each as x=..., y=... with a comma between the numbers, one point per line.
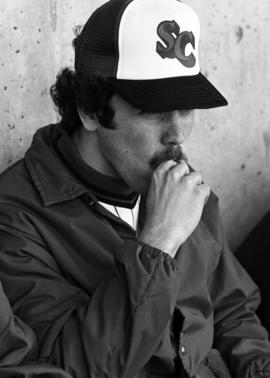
x=230, y=146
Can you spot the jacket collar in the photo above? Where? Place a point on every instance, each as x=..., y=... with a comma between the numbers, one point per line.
x=52, y=178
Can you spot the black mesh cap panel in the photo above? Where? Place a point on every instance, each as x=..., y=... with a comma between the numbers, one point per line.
x=96, y=48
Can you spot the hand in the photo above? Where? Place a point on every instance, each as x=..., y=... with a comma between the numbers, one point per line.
x=174, y=206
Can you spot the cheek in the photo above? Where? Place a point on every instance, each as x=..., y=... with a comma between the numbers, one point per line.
x=118, y=149
x=137, y=144
x=131, y=146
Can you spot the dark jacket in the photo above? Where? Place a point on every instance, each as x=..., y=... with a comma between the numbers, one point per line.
x=102, y=304
x=254, y=255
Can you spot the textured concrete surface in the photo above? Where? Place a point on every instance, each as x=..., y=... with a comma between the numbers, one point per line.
x=230, y=146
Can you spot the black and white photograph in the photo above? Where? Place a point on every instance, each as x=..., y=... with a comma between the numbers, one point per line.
x=134, y=189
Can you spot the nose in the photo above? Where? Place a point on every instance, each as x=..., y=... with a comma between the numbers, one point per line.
x=177, y=127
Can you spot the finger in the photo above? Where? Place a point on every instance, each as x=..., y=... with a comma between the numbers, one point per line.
x=181, y=169
x=194, y=178
x=166, y=166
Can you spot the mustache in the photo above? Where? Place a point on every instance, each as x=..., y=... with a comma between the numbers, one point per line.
x=174, y=152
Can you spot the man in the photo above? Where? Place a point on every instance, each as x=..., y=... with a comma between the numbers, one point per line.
x=107, y=294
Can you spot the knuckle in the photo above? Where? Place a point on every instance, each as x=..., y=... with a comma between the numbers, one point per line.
x=183, y=163
x=174, y=174
x=185, y=167
x=197, y=176
x=189, y=181
x=182, y=166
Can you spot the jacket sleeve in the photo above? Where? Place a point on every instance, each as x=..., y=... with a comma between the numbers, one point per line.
x=17, y=340
x=18, y=347
x=112, y=332
x=239, y=336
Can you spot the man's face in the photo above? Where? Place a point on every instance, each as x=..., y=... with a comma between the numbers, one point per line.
x=141, y=141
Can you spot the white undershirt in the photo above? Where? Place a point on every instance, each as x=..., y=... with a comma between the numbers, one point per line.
x=129, y=216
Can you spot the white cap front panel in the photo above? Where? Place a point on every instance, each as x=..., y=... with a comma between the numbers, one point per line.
x=158, y=39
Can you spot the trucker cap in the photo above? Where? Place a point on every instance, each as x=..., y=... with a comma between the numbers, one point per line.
x=149, y=48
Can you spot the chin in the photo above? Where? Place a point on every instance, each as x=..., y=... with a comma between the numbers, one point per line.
x=138, y=180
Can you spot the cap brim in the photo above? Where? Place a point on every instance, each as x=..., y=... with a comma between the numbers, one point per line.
x=163, y=95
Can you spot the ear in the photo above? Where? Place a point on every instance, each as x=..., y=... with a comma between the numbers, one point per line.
x=89, y=123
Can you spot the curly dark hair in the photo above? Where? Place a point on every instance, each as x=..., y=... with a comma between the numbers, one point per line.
x=91, y=94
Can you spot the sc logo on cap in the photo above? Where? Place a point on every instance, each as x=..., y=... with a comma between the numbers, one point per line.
x=176, y=42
